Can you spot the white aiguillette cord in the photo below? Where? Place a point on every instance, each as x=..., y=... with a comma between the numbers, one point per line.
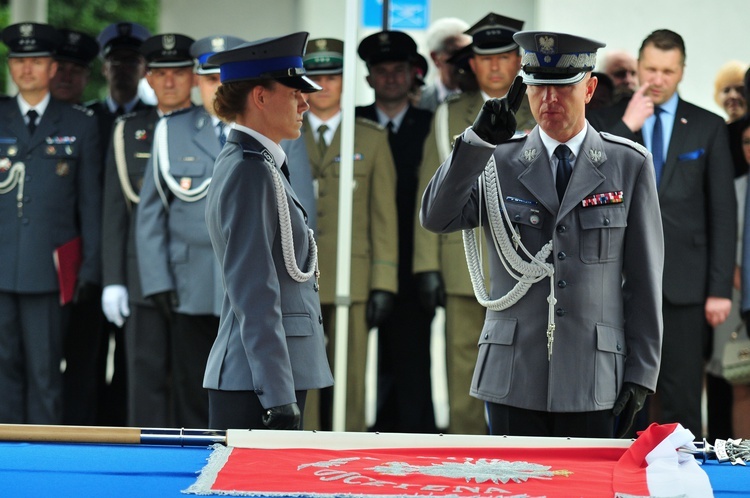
x=525, y=272
x=16, y=175
x=161, y=165
x=287, y=236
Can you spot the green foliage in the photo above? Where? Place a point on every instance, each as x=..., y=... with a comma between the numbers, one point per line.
x=90, y=16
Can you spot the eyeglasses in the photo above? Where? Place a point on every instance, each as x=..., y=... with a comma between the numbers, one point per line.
x=622, y=73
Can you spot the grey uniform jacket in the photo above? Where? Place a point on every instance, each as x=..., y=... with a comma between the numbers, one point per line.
x=174, y=249
x=61, y=195
x=608, y=260
x=119, y=265
x=270, y=336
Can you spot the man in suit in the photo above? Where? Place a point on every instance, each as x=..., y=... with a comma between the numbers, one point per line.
x=584, y=205
x=175, y=258
x=439, y=260
x=444, y=38
x=404, y=400
x=695, y=179
x=374, y=255
x=170, y=73
x=51, y=197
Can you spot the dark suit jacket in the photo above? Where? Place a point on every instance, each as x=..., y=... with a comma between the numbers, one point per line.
x=106, y=120
x=406, y=147
x=61, y=195
x=699, y=213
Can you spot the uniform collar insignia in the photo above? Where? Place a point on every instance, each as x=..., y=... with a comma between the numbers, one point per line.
x=530, y=154
x=595, y=155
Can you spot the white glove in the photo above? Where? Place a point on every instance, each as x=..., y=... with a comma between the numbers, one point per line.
x=115, y=304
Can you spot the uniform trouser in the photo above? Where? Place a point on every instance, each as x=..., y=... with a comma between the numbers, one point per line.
x=513, y=421
x=192, y=338
x=242, y=409
x=319, y=402
x=404, y=380
x=464, y=320
x=113, y=396
x=31, y=349
x=680, y=384
x=83, y=338
x=147, y=345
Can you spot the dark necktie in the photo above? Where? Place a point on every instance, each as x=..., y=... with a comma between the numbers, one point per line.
x=390, y=128
x=322, y=145
x=222, y=137
x=657, y=144
x=119, y=111
x=285, y=170
x=31, y=125
x=564, y=169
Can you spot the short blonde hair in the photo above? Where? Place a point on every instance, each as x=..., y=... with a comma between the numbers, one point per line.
x=731, y=73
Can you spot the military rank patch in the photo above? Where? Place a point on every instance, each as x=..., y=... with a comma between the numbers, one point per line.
x=603, y=198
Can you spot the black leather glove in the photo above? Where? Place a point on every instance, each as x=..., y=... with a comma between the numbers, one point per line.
x=431, y=290
x=166, y=302
x=496, y=121
x=86, y=292
x=629, y=402
x=379, y=307
x=284, y=417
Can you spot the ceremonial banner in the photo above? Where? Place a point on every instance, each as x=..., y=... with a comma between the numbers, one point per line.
x=450, y=471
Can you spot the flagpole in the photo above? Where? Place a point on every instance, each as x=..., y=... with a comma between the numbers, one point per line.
x=344, y=236
x=110, y=435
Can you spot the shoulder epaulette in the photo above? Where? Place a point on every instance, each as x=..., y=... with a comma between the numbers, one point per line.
x=124, y=117
x=177, y=112
x=85, y=110
x=624, y=141
x=370, y=123
x=452, y=97
x=257, y=154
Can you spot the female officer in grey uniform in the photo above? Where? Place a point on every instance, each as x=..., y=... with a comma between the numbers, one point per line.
x=270, y=349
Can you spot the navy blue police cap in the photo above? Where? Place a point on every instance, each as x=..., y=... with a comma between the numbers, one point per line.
x=76, y=47
x=279, y=59
x=122, y=35
x=387, y=46
x=204, y=48
x=493, y=34
x=167, y=50
x=324, y=56
x=30, y=39
x=555, y=58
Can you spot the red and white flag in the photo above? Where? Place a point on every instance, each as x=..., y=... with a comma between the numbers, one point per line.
x=653, y=466
x=493, y=467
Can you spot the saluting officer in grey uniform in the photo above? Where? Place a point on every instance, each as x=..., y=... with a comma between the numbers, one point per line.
x=564, y=355
x=174, y=249
x=49, y=195
x=439, y=263
x=147, y=328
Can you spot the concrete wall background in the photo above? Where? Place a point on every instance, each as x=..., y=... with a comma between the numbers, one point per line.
x=714, y=32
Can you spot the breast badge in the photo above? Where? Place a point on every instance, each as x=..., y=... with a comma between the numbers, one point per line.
x=62, y=168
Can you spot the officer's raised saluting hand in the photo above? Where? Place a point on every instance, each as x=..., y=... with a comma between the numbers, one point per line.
x=496, y=121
